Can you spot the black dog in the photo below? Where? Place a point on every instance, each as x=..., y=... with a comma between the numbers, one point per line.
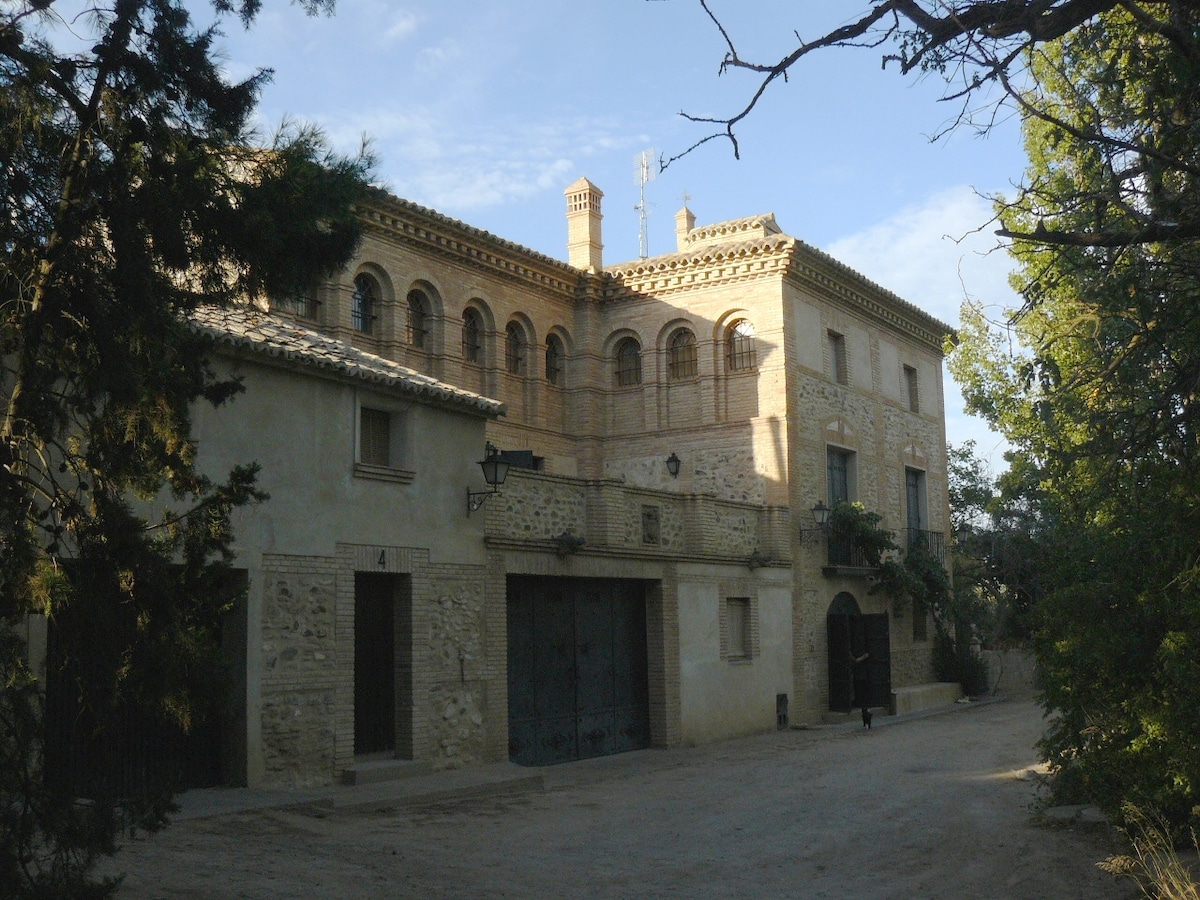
x=866, y=717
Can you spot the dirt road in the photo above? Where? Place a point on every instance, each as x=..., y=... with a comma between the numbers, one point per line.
x=938, y=807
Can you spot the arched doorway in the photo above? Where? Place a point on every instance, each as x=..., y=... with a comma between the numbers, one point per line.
x=859, y=651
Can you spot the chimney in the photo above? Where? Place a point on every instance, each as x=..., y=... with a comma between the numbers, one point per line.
x=685, y=221
x=584, y=248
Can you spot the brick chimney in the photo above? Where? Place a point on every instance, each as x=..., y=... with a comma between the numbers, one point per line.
x=685, y=221
x=584, y=248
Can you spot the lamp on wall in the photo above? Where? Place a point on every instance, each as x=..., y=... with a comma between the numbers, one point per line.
x=673, y=465
x=821, y=514
x=495, y=470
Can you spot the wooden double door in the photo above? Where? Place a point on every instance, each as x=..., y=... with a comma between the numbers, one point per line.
x=860, y=668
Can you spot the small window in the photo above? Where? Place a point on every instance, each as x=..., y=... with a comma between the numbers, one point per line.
x=375, y=437
x=913, y=386
x=554, y=360
x=381, y=446
x=737, y=628
x=364, y=303
x=472, y=337
x=305, y=306
x=739, y=346
x=681, y=356
x=514, y=349
x=837, y=357
x=418, y=325
x=629, y=363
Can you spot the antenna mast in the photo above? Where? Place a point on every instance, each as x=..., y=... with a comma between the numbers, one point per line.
x=645, y=170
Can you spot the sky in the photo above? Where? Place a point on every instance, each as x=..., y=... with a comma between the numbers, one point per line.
x=486, y=111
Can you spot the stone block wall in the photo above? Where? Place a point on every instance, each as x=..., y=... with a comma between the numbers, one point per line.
x=302, y=674
x=455, y=677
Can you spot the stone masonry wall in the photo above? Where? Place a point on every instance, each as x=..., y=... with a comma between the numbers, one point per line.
x=456, y=687
x=300, y=670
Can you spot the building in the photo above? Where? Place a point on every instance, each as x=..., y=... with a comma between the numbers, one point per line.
x=648, y=574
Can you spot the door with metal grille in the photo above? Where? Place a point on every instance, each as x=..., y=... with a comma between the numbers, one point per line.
x=577, y=674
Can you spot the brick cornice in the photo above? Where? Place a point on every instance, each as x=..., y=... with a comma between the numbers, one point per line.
x=818, y=271
x=407, y=222
x=704, y=267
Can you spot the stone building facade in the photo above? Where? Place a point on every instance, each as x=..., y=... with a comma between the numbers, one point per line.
x=649, y=573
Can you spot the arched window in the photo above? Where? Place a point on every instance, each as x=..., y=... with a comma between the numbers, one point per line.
x=629, y=362
x=418, y=326
x=363, y=304
x=739, y=346
x=514, y=349
x=681, y=355
x=554, y=360
x=472, y=336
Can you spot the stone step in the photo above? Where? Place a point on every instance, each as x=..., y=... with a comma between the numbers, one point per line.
x=919, y=697
x=373, y=771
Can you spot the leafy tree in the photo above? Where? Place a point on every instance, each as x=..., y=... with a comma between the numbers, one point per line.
x=997, y=541
x=133, y=190
x=1101, y=402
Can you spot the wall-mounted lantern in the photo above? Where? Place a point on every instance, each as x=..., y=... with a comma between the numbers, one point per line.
x=495, y=470
x=821, y=514
x=673, y=465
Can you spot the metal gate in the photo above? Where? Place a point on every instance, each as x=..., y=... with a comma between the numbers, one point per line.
x=577, y=673
x=860, y=666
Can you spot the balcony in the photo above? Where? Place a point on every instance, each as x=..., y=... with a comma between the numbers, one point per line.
x=846, y=555
x=932, y=542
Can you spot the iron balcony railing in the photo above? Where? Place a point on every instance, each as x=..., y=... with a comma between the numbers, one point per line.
x=844, y=552
x=932, y=542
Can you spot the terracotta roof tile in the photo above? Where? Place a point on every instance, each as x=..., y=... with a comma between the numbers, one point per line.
x=245, y=328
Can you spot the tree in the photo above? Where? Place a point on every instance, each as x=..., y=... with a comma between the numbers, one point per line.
x=1101, y=402
x=133, y=190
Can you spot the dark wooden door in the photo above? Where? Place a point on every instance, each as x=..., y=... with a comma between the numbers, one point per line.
x=841, y=667
x=374, y=663
x=877, y=641
x=577, y=673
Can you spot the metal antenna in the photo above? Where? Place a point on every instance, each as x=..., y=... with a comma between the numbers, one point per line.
x=644, y=170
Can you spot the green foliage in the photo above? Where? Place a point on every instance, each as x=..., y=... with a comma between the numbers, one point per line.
x=1094, y=382
x=859, y=527
x=48, y=841
x=133, y=190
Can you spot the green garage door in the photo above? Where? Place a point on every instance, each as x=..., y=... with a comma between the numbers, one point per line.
x=576, y=669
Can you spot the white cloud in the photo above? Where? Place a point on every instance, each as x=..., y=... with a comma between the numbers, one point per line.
x=936, y=255
x=402, y=26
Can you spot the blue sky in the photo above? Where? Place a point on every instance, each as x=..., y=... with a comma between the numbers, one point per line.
x=487, y=111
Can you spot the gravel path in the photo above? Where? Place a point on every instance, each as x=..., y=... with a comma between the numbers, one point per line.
x=937, y=807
